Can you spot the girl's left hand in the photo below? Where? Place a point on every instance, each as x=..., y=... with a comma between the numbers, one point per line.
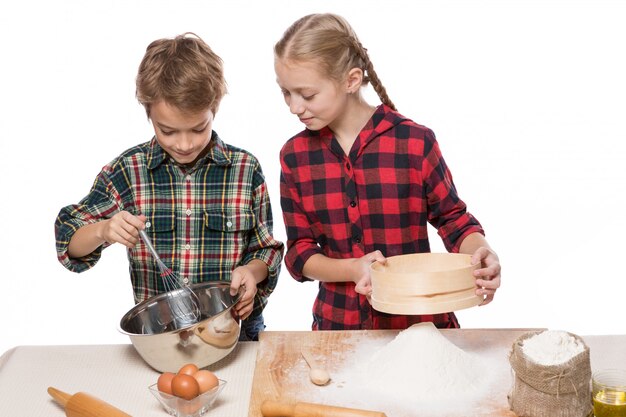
x=243, y=276
x=488, y=276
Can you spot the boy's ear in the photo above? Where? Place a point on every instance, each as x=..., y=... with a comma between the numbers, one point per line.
x=354, y=80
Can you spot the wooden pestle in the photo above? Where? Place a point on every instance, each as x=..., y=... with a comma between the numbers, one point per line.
x=271, y=408
x=84, y=405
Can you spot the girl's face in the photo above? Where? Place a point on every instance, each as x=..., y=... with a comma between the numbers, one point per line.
x=317, y=100
x=183, y=136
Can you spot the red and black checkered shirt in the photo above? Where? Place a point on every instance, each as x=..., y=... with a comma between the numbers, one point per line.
x=379, y=197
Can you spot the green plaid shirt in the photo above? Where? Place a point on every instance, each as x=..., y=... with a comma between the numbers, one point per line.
x=203, y=221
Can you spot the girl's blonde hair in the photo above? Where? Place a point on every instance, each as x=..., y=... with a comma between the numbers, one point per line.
x=329, y=40
x=184, y=72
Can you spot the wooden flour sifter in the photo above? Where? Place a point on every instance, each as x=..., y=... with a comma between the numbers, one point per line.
x=424, y=283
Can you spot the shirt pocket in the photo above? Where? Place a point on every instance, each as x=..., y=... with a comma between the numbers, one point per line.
x=228, y=235
x=229, y=220
x=160, y=226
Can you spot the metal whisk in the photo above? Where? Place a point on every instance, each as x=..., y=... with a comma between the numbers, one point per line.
x=184, y=303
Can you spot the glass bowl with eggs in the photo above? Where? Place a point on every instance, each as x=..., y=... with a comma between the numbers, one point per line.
x=190, y=392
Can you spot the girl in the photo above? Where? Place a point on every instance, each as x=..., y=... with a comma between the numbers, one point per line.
x=360, y=182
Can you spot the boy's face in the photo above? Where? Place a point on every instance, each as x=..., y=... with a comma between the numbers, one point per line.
x=318, y=101
x=183, y=136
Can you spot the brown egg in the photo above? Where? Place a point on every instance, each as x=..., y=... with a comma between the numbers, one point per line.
x=164, y=383
x=188, y=369
x=206, y=380
x=185, y=386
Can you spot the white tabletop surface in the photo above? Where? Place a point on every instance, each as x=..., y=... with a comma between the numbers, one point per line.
x=113, y=373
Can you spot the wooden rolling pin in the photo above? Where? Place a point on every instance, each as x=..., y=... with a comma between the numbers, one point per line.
x=84, y=405
x=271, y=408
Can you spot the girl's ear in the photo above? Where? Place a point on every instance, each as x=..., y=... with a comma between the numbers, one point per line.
x=354, y=80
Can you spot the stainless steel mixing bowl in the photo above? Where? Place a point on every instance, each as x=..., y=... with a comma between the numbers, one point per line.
x=167, y=342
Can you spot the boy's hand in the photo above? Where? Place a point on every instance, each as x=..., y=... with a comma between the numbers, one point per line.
x=243, y=276
x=487, y=277
x=361, y=275
x=123, y=228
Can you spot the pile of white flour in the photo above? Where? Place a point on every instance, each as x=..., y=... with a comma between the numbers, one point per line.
x=552, y=347
x=418, y=372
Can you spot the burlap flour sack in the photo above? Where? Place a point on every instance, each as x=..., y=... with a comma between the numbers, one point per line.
x=561, y=390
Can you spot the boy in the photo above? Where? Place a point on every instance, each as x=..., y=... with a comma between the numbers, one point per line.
x=203, y=203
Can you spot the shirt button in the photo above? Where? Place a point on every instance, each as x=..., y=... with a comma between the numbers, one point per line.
x=357, y=239
x=352, y=203
x=186, y=280
x=229, y=224
x=348, y=166
x=187, y=246
x=188, y=177
x=188, y=212
x=148, y=225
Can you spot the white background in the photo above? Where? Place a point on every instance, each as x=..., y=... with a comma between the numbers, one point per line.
x=528, y=101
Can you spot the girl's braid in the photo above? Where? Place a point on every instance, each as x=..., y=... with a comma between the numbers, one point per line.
x=371, y=75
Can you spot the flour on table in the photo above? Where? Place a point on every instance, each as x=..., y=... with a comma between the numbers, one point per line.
x=420, y=363
x=420, y=371
x=552, y=347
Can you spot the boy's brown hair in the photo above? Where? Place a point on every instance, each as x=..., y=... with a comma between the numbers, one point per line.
x=184, y=72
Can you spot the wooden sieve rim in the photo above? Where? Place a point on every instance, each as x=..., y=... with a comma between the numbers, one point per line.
x=432, y=305
x=446, y=262
x=444, y=283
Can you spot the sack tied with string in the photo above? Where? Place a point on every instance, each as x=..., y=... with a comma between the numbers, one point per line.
x=561, y=390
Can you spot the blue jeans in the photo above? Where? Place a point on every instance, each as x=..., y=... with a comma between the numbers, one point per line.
x=251, y=327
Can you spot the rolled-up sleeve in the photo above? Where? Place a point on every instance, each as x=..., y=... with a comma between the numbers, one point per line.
x=447, y=212
x=301, y=243
x=99, y=204
x=262, y=245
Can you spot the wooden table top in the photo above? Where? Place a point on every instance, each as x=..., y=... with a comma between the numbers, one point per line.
x=282, y=374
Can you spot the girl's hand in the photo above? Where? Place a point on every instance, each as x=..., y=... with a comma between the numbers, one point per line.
x=123, y=228
x=243, y=276
x=361, y=268
x=488, y=276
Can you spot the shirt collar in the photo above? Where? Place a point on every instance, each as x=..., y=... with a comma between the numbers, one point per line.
x=218, y=153
x=383, y=119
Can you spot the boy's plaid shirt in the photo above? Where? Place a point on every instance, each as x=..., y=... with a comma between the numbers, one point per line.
x=203, y=222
